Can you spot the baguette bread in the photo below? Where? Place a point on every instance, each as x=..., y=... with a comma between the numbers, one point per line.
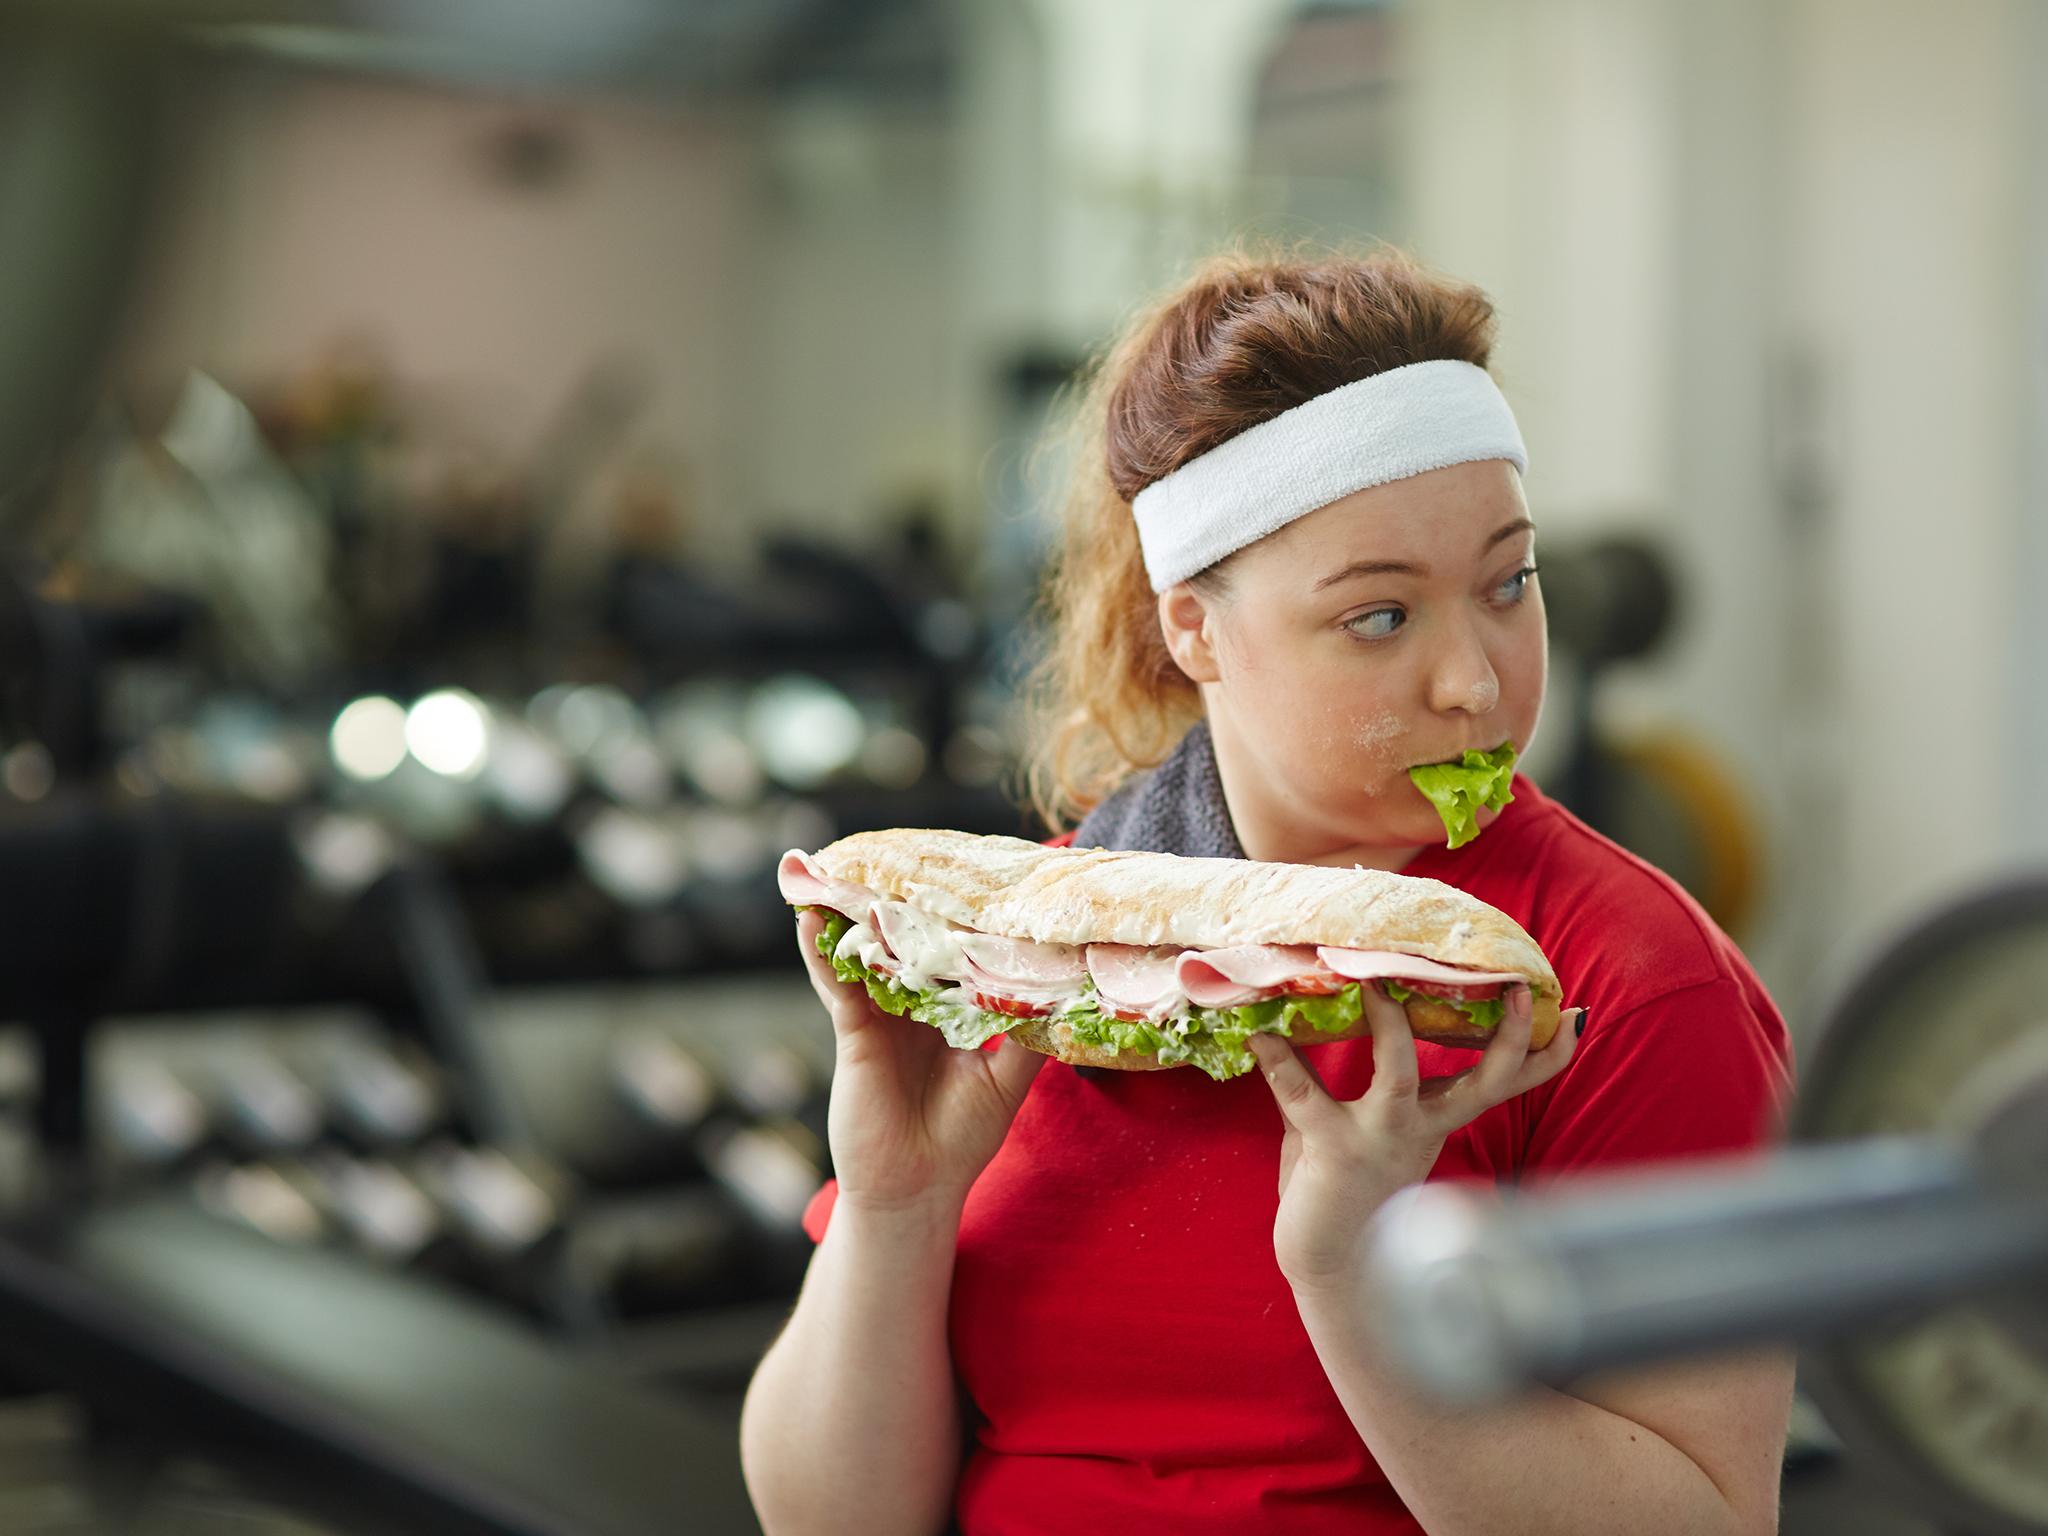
x=1017, y=889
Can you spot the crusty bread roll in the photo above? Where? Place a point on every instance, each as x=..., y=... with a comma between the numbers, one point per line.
x=1020, y=889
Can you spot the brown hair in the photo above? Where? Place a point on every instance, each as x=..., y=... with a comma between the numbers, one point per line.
x=1252, y=333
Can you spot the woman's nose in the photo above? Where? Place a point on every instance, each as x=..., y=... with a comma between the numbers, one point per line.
x=1463, y=678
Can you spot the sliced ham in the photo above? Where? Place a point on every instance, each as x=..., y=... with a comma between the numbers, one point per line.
x=1226, y=978
x=1137, y=982
x=1023, y=972
x=1427, y=975
x=803, y=884
x=1250, y=973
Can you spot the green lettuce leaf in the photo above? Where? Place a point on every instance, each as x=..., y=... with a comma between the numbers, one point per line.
x=965, y=1028
x=1213, y=1039
x=1459, y=789
x=1485, y=1012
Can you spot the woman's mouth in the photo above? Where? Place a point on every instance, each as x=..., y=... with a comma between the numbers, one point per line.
x=1457, y=758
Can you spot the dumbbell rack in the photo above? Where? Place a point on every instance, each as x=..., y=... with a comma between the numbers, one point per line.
x=348, y=1387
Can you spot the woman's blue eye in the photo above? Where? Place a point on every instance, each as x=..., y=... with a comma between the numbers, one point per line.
x=1513, y=590
x=1358, y=625
x=1520, y=582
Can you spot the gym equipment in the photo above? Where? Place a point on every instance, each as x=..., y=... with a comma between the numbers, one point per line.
x=350, y=1391
x=1903, y=1238
x=336, y=1380
x=1664, y=794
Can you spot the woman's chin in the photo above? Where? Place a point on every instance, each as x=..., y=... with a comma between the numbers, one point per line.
x=1412, y=827
x=1405, y=834
x=1392, y=816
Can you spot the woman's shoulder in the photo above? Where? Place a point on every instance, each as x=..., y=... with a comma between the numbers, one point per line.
x=1685, y=1053
x=1608, y=919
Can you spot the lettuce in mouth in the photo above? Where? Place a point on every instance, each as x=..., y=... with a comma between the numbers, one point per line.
x=1212, y=1039
x=1459, y=789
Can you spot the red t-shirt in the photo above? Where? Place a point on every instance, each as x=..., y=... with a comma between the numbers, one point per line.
x=1133, y=1354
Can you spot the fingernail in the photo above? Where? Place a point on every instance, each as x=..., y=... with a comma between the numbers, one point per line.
x=1579, y=1024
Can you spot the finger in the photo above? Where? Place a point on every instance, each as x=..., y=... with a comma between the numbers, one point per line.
x=1393, y=1043
x=1303, y=1101
x=823, y=980
x=1500, y=1068
x=1013, y=1069
x=1290, y=1154
x=1465, y=1100
x=847, y=1003
x=1434, y=1088
x=1545, y=1064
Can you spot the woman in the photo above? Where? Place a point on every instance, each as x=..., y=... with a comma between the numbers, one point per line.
x=1053, y=1301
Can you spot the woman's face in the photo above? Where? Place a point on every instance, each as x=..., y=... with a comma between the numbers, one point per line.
x=1398, y=626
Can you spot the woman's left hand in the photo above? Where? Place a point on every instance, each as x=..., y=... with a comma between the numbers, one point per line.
x=1340, y=1162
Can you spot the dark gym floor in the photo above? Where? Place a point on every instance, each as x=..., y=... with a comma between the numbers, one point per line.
x=46, y=1490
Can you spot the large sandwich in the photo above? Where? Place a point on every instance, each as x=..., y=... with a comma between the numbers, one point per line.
x=1146, y=960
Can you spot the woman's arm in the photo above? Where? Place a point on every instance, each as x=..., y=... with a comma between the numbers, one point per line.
x=1694, y=1450
x=851, y=1422
x=1688, y=1450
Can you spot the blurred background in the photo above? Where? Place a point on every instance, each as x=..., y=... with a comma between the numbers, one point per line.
x=480, y=478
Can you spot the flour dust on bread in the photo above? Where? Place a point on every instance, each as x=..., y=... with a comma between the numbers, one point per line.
x=1411, y=934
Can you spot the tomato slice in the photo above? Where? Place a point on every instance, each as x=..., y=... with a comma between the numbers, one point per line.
x=1313, y=987
x=1010, y=1005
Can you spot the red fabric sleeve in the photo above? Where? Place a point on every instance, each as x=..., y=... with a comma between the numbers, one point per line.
x=818, y=1214
x=1698, y=1072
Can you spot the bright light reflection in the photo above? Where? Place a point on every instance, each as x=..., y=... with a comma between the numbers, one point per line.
x=368, y=739
x=447, y=731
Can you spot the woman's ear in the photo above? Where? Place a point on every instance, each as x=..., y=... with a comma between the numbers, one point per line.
x=1188, y=625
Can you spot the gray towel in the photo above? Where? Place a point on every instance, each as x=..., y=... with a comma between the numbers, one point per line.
x=1176, y=808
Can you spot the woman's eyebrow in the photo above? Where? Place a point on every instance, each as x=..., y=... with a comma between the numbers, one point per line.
x=1408, y=568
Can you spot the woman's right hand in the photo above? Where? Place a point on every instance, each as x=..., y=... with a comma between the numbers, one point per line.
x=912, y=1121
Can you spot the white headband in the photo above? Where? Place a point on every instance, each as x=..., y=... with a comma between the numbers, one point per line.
x=1392, y=425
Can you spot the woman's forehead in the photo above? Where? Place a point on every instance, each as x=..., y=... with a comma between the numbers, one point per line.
x=1443, y=518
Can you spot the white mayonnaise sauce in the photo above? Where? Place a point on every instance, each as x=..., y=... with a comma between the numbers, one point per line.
x=862, y=943
x=923, y=951
x=926, y=947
